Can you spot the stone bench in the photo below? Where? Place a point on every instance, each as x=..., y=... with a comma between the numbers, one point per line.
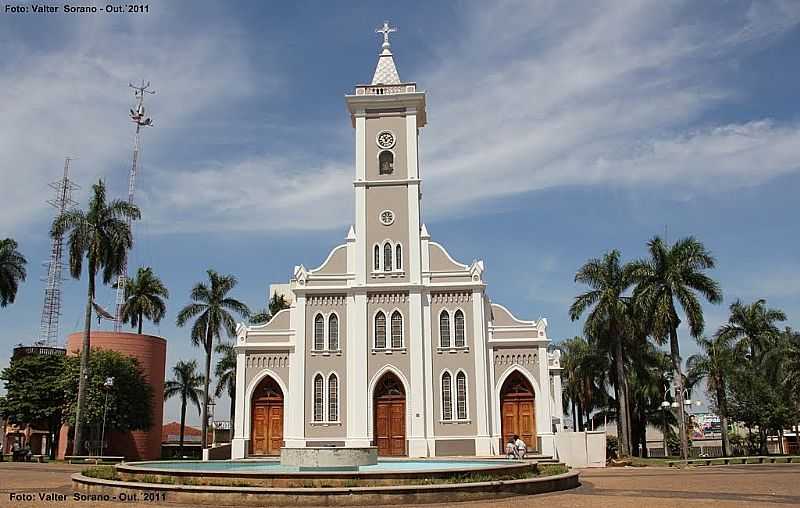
x=759, y=459
x=96, y=459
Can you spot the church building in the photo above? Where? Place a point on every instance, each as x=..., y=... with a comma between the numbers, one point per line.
x=391, y=342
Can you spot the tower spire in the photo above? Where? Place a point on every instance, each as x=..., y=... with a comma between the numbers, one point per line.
x=386, y=71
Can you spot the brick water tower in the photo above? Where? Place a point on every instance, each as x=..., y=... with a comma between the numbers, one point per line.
x=151, y=353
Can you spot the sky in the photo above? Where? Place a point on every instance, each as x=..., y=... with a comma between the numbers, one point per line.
x=557, y=132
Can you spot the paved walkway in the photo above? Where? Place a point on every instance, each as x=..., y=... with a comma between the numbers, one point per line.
x=769, y=485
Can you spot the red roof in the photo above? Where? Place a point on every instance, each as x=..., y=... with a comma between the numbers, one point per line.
x=170, y=430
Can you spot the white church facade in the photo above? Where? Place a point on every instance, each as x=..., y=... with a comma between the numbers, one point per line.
x=390, y=342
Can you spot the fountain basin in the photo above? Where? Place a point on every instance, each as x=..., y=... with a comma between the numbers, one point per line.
x=329, y=458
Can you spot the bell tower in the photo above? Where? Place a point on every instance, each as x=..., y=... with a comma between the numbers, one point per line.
x=387, y=115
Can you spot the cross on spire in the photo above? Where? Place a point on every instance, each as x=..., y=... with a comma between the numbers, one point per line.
x=386, y=30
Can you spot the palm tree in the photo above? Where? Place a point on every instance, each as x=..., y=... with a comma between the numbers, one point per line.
x=225, y=371
x=584, y=373
x=102, y=235
x=143, y=299
x=210, y=307
x=275, y=305
x=753, y=326
x=12, y=271
x=713, y=363
x=608, y=280
x=186, y=384
x=673, y=273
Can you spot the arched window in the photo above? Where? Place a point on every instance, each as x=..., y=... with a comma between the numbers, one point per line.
x=387, y=257
x=398, y=257
x=397, y=330
x=333, y=398
x=333, y=333
x=444, y=329
x=380, y=330
x=459, y=322
x=377, y=260
x=319, y=333
x=319, y=401
x=447, y=397
x=461, y=396
x=386, y=163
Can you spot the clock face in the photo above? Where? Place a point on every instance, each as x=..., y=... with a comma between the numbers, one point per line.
x=385, y=139
x=387, y=217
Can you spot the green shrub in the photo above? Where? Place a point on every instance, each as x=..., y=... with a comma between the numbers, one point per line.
x=101, y=472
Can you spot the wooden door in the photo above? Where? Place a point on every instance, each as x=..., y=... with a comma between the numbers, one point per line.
x=266, y=425
x=275, y=429
x=518, y=412
x=390, y=427
x=390, y=417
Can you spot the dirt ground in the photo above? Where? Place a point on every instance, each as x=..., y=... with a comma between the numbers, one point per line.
x=724, y=486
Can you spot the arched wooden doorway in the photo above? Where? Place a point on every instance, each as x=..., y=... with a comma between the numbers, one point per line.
x=389, y=406
x=518, y=411
x=266, y=424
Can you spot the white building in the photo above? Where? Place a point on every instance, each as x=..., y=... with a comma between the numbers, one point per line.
x=391, y=342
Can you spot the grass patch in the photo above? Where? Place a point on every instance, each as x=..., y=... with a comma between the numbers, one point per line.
x=551, y=469
x=101, y=472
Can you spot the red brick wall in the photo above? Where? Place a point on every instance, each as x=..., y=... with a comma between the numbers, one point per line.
x=151, y=352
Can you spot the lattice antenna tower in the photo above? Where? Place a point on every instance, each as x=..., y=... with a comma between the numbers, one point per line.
x=139, y=118
x=51, y=310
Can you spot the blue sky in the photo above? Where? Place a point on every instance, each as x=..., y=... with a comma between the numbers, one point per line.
x=557, y=131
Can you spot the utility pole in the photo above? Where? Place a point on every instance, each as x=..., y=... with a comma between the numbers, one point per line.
x=138, y=117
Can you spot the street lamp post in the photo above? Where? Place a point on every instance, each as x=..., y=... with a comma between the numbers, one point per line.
x=211, y=406
x=107, y=385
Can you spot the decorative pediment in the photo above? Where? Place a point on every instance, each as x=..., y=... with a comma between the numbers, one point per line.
x=476, y=270
x=300, y=275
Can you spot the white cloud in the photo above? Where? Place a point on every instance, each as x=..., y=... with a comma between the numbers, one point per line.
x=591, y=96
x=73, y=101
x=522, y=97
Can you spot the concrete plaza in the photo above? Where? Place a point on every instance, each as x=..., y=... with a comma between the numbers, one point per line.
x=729, y=486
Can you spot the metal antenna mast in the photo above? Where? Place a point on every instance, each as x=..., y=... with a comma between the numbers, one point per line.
x=51, y=310
x=138, y=117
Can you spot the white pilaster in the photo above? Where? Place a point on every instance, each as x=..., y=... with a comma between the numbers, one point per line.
x=357, y=382
x=414, y=222
x=239, y=441
x=544, y=427
x=361, y=199
x=294, y=417
x=427, y=354
x=417, y=445
x=483, y=443
x=558, y=407
x=494, y=404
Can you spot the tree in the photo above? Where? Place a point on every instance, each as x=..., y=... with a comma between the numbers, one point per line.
x=225, y=371
x=130, y=399
x=673, y=273
x=185, y=384
x=792, y=365
x=12, y=271
x=210, y=308
x=34, y=393
x=584, y=372
x=608, y=281
x=144, y=296
x=276, y=304
x=753, y=326
x=101, y=235
x=713, y=363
